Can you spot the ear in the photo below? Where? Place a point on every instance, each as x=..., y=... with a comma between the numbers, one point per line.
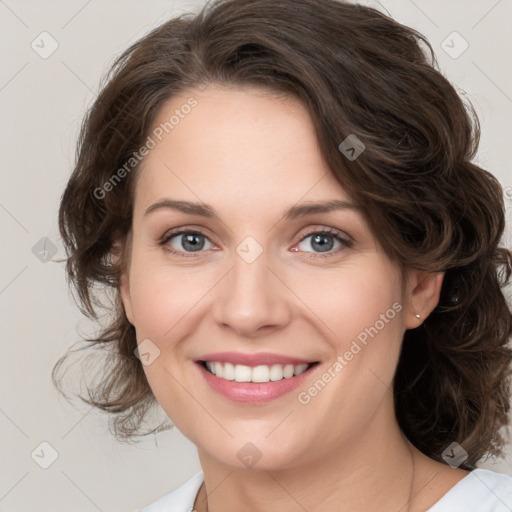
x=422, y=291
x=121, y=250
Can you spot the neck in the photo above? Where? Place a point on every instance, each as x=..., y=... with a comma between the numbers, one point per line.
x=373, y=472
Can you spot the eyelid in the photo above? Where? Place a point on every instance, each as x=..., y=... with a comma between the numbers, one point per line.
x=327, y=230
x=180, y=231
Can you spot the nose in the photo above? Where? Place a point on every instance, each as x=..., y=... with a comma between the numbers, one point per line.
x=252, y=299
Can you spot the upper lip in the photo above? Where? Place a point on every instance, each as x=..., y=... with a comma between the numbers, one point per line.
x=261, y=358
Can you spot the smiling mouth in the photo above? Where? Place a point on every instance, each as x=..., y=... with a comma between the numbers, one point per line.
x=255, y=374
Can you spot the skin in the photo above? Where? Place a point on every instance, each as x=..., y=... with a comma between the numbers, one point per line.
x=251, y=155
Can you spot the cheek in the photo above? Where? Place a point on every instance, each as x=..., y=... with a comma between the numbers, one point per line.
x=164, y=299
x=349, y=300
x=163, y=296
x=358, y=307
x=166, y=303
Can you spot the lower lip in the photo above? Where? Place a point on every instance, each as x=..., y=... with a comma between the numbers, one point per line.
x=254, y=392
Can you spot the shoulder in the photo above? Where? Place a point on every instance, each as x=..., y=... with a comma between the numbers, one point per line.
x=481, y=490
x=180, y=500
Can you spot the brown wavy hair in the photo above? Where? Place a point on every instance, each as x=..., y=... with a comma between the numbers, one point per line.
x=359, y=73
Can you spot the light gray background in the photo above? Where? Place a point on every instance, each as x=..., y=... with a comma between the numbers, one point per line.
x=42, y=102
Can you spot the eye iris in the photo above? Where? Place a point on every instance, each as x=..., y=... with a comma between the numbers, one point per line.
x=189, y=243
x=323, y=247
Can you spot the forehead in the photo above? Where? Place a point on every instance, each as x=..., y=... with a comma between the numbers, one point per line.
x=235, y=145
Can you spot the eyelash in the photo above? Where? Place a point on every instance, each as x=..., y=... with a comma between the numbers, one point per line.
x=332, y=232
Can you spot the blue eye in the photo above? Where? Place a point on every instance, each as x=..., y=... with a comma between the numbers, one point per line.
x=187, y=242
x=324, y=240
x=190, y=241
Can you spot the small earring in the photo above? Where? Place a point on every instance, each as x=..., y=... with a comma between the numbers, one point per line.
x=417, y=315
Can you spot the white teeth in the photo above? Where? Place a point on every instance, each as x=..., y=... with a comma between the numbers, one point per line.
x=242, y=373
x=288, y=371
x=276, y=372
x=229, y=372
x=262, y=373
x=301, y=368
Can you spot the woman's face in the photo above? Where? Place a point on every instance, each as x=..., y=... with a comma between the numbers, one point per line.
x=256, y=280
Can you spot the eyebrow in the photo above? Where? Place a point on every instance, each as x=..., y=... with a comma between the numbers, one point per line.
x=294, y=212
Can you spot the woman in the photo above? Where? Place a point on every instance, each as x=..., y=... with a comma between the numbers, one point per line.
x=305, y=262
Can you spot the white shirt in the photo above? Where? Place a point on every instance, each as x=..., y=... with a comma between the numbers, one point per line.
x=481, y=490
